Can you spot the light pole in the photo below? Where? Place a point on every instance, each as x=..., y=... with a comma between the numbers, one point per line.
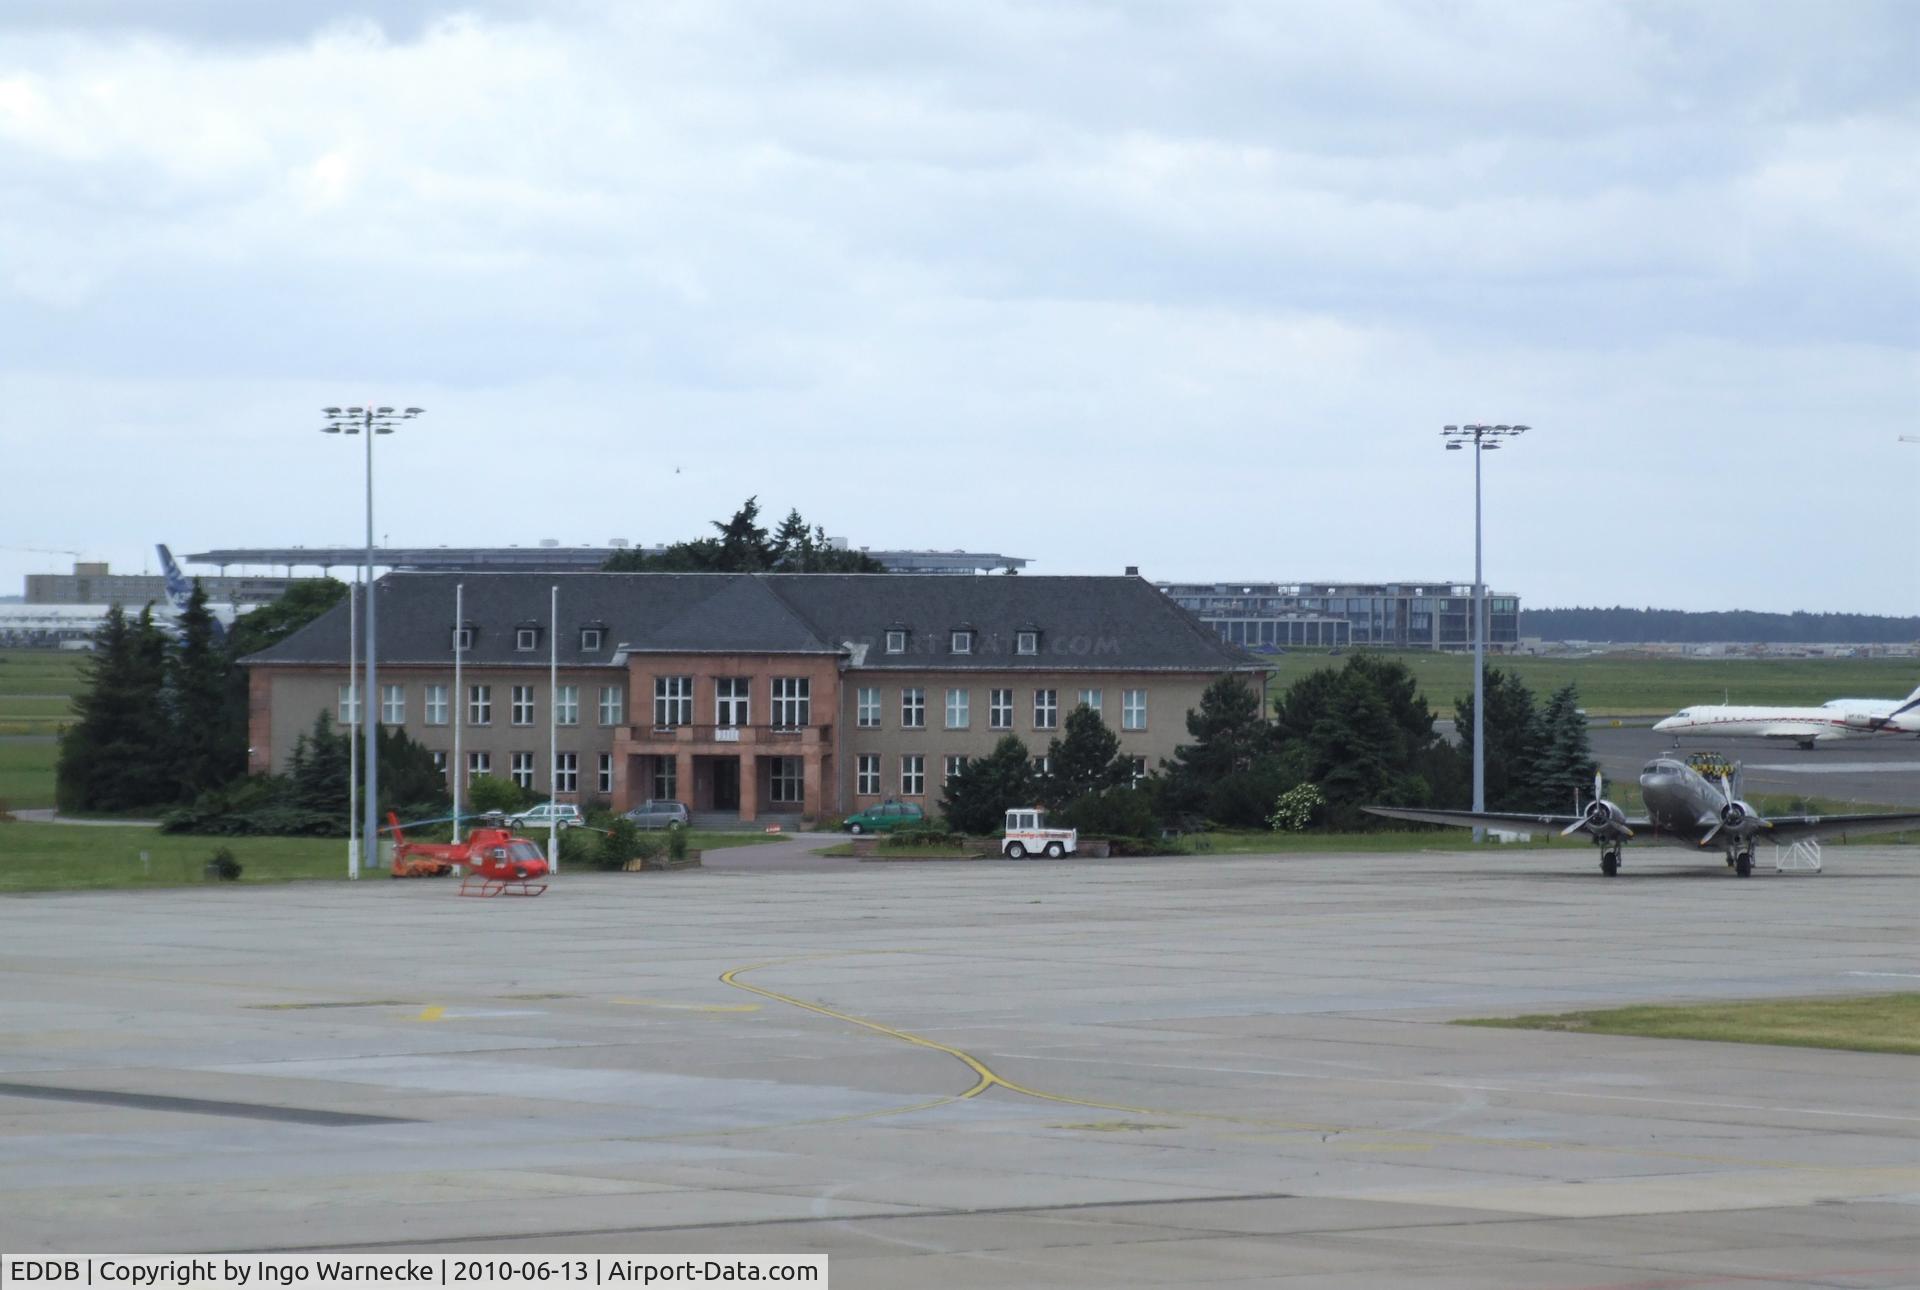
x=369, y=421
x=1481, y=438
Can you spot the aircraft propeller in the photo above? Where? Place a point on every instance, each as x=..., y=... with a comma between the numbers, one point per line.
x=1600, y=815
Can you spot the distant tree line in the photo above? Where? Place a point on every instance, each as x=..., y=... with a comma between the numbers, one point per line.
x=743, y=545
x=1622, y=625
x=1338, y=740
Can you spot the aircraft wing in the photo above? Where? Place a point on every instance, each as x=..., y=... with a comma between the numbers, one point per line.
x=1799, y=828
x=1489, y=819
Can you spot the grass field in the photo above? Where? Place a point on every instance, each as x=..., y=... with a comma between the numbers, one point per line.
x=1886, y=1023
x=69, y=857
x=1624, y=685
x=66, y=857
x=26, y=772
x=36, y=698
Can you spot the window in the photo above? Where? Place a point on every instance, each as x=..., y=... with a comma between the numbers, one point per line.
x=913, y=775
x=867, y=710
x=479, y=705
x=1091, y=698
x=525, y=638
x=731, y=701
x=867, y=777
x=672, y=701
x=962, y=642
x=589, y=639
x=393, y=705
x=666, y=779
x=1133, y=709
x=462, y=639
x=479, y=763
x=566, y=772
x=436, y=702
x=913, y=708
x=440, y=763
x=566, y=705
x=605, y=784
x=1139, y=770
x=1043, y=766
x=1000, y=712
x=896, y=641
x=958, y=704
x=787, y=784
x=523, y=705
x=1046, y=709
x=521, y=769
x=349, y=705
x=955, y=763
x=613, y=704
x=1026, y=642
x=791, y=705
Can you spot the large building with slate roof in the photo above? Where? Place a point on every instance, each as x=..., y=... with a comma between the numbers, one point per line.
x=750, y=695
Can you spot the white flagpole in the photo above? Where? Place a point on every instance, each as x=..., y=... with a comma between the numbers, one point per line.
x=553, y=732
x=457, y=772
x=353, y=730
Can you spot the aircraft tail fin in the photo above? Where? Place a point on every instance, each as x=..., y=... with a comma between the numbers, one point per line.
x=180, y=587
x=1913, y=701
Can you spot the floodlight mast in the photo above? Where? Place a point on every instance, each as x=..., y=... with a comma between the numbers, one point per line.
x=369, y=421
x=1482, y=438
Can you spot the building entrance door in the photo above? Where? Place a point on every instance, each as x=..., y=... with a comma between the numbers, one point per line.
x=726, y=784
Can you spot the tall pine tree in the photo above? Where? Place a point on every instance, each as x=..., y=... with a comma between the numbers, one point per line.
x=202, y=751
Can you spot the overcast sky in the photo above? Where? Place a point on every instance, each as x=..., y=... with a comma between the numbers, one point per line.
x=1180, y=284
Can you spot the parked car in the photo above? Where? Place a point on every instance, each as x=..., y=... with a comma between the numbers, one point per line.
x=660, y=813
x=886, y=817
x=564, y=814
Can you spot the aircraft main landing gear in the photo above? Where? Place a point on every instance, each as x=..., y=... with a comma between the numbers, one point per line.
x=1610, y=861
x=1743, y=864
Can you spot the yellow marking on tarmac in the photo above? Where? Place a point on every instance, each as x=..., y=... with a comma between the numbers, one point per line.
x=433, y=1013
x=1113, y=1126
x=987, y=1078
x=689, y=1007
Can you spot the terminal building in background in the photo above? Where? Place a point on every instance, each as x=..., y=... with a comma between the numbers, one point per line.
x=1386, y=615
x=94, y=583
x=748, y=696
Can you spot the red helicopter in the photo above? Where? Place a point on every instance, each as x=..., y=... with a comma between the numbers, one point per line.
x=492, y=861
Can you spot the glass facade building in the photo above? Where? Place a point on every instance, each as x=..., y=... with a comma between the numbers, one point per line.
x=1392, y=615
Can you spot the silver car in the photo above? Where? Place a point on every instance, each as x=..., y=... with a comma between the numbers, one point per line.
x=660, y=813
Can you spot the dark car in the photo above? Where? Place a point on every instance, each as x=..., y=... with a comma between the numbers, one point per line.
x=660, y=813
x=886, y=817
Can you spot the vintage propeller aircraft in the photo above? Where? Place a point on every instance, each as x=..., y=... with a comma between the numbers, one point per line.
x=491, y=861
x=1684, y=808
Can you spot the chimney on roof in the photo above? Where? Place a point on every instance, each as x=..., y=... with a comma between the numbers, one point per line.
x=1133, y=571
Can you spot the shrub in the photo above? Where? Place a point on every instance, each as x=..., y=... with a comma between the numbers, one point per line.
x=676, y=844
x=223, y=866
x=1118, y=812
x=1295, y=809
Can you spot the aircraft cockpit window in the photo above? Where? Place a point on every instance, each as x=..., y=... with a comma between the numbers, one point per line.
x=1653, y=768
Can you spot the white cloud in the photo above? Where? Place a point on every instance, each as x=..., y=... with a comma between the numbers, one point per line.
x=1219, y=271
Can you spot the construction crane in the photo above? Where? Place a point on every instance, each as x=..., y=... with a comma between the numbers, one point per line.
x=43, y=550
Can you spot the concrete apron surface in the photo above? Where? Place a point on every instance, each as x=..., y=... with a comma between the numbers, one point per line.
x=1074, y=1073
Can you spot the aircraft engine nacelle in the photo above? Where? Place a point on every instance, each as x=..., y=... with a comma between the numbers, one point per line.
x=1739, y=818
x=1862, y=721
x=1604, y=819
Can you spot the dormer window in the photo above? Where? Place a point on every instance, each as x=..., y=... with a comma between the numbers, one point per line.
x=526, y=638
x=590, y=638
x=961, y=641
x=463, y=639
x=1026, y=641
x=896, y=640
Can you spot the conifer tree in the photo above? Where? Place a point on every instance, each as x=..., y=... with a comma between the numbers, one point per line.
x=978, y=798
x=1086, y=761
x=201, y=747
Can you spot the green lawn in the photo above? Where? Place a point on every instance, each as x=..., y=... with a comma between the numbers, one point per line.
x=1885, y=1023
x=67, y=857
x=1614, y=685
x=26, y=772
x=39, y=671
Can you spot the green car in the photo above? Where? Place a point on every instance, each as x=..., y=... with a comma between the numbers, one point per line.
x=886, y=817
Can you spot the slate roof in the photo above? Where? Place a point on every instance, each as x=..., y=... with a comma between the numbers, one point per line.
x=1099, y=623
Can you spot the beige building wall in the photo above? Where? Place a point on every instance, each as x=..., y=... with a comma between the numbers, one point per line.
x=287, y=699
x=1169, y=697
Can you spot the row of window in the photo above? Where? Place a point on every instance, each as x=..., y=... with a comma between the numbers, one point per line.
x=959, y=708
x=913, y=772
x=566, y=769
x=961, y=640
x=791, y=704
x=435, y=699
x=526, y=637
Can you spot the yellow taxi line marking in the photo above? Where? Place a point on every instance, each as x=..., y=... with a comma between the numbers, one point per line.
x=434, y=1013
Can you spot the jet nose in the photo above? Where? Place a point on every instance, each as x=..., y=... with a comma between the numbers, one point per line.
x=1665, y=723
